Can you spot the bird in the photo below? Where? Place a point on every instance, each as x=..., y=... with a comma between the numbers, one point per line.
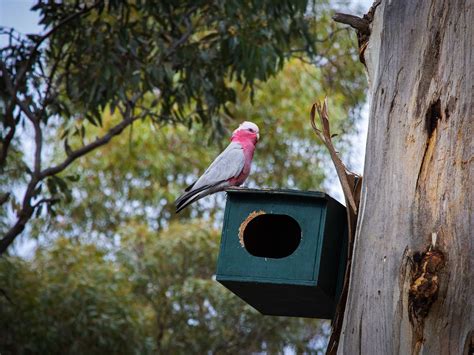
x=230, y=168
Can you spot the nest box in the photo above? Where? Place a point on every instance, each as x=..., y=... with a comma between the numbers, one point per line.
x=284, y=251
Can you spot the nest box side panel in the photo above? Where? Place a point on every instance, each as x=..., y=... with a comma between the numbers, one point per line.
x=301, y=267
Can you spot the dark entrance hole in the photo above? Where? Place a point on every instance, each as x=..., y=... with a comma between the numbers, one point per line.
x=272, y=236
x=433, y=115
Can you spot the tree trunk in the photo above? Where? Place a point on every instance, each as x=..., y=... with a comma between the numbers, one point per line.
x=417, y=181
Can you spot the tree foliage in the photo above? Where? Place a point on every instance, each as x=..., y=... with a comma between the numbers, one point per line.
x=166, y=61
x=138, y=177
x=154, y=294
x=116, y=270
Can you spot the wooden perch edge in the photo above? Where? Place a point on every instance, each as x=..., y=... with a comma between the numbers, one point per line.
x=351, y=186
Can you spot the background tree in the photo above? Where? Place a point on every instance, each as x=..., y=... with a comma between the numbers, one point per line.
x=139, y=177
x=115, y=268
x=171, y=63
x=411, y=283
x=153, y=294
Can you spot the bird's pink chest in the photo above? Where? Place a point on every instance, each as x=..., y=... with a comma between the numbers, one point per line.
x=248, y=148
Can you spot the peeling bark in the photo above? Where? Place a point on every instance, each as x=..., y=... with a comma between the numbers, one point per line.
x=417, y=181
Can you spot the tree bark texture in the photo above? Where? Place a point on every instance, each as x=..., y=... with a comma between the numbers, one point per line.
x=417, y=181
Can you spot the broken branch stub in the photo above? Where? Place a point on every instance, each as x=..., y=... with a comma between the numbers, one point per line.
x=325, y=137
x=362, y=25
x=358, y=23
x=351, y=186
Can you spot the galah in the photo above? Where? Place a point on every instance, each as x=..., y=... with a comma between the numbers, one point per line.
x=230, y=168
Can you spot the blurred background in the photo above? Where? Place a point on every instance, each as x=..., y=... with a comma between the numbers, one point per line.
x=111, y=267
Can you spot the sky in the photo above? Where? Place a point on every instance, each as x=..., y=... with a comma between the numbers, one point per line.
x=17, y=14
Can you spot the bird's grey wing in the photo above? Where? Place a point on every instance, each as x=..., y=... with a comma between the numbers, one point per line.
x=228, y=164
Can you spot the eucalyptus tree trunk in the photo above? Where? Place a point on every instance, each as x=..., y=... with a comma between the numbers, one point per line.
x=407, y=295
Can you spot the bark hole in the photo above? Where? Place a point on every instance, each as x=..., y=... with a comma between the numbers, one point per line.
x=433, y=114
x=425, y=282
x=423, y=290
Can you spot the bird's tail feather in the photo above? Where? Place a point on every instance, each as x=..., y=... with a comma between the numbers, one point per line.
x=190, y=186
x=194, y=195
x=190, y=200
x=189, y=194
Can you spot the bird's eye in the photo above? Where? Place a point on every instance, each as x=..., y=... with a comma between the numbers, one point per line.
x=250, y=130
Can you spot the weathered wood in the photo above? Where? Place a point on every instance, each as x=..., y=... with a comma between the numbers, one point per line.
x=417, y=181
x=351, y=187
x=358, y=23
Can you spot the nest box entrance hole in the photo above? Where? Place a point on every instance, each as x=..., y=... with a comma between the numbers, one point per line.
x=272, y=236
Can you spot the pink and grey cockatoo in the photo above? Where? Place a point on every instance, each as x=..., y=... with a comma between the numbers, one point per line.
x=230, y=168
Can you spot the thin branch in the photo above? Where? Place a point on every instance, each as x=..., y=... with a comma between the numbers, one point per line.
x=35, y=120
x=331, y=35
x=114, y=131
x=24, y=68
x=27, y=209
x=39, y=146
x=17, y=228
x=56, y=28
x=45, y=200
x=4, y=198
x=5, y=294
x=351, y=186
x=50, y=80
x=325, y=136
x=9, y=120
x=183, y=39
x=6, y=145
x=12, y=91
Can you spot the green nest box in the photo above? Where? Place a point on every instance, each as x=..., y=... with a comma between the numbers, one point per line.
x=284, y=251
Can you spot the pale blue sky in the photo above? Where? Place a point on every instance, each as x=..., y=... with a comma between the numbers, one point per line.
x=17, y=14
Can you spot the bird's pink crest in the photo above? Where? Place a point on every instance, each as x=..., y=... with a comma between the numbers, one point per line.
x=247, y=133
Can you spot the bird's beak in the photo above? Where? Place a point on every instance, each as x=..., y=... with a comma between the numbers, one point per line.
x=258, y=136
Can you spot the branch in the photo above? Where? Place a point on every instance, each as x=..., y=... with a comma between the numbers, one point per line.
x=45, y=200
x=358, y=23
x=27, y=209
x=9, y=121
x=4, y=198
x=182, y=40
x=39, y=146
x=9, y=237
x=52, y=73
x=5, y=294
x=331, y=35
x=35, y=120
x=55, y=28
x=351, y=186
x=24, y=68
x=325, y=136
x=5, y=145
x=114, y=131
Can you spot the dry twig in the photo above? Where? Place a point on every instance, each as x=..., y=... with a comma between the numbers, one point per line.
x=351, y=187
